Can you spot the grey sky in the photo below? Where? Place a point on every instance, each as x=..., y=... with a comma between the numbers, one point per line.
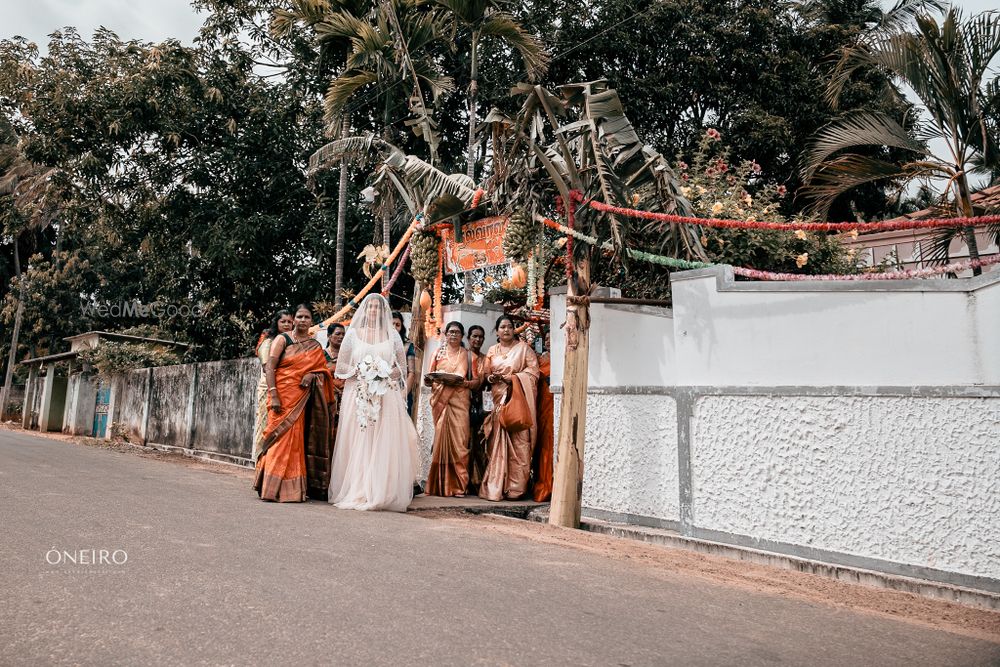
x=148, y=20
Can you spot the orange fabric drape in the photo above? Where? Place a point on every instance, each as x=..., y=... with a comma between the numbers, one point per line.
x=282, y=475
x=543, y=446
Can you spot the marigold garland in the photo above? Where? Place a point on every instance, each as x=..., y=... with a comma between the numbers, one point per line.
x=757, y=274
x=955, y=267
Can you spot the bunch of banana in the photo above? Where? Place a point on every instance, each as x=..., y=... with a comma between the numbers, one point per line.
x=520, y=238
x=424, y=257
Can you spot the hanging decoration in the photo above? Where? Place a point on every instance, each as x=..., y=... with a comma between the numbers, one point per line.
x=398, y=271
x=887, y=226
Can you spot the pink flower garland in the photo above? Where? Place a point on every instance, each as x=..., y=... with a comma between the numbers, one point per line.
x=788, y=226
x=955, y=267
x=397, y=272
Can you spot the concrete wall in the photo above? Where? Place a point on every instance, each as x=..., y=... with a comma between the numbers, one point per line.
x=850, y=423
x=130, y=417
x=225, y=407
x=887, y=333
x=169, y=394
x=208, y=407
x=913, y=480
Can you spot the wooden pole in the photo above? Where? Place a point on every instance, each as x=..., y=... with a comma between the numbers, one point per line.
x=567, y=490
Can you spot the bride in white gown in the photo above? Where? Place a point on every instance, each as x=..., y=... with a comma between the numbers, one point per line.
x=375, y=458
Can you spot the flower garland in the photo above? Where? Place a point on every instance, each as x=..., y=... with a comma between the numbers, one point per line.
x=955, y=267
x=477, y=197
x=532, y=279
x=398, y=271
x=888, y=226
x=571, y=223
x=671, y=262
x=756, y=274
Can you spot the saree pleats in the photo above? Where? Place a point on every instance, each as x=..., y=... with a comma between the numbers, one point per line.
x=509, y=467
x=542, y=490
x=449, y=471
x=296, y=446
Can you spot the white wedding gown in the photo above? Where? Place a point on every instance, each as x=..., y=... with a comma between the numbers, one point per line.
x=373, y=467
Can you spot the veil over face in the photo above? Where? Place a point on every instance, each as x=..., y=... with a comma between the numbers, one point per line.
x=371, y=326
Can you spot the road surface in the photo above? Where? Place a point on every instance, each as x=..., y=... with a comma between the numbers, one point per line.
x=200, y=572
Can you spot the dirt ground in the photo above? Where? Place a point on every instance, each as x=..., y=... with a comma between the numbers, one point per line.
x=663, y=561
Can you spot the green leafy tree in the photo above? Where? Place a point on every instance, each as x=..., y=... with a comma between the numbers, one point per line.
x=947, y=66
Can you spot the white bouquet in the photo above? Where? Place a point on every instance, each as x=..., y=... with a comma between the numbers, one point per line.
x=373, y=382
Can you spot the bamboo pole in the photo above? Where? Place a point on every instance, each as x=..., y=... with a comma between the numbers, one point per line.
x=567, y=490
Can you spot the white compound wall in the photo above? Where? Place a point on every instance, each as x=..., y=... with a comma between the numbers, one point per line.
x=857, y=424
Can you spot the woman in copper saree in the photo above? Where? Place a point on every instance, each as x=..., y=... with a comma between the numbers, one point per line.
x=296, y=449
x=450, y=400
x=477, y=412
x=509, y=465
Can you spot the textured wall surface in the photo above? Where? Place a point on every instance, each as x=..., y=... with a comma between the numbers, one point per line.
x=425, y=429
x=630, y=458
x=911, y=480
x=225, y=406
x=131, y=403
x=168, y=405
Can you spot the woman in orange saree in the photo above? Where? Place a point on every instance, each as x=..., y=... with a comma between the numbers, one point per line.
x=509, y=465
x=296, y=449
x=542, y=490
x=450, y=399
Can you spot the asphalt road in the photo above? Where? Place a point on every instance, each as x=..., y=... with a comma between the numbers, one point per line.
x=215, y=577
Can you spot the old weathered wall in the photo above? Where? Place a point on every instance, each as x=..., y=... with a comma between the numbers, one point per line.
x=225, y=406
x=131, y=415
x=171, y=387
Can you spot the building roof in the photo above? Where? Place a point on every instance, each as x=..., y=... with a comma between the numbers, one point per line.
x=984, y=201
x=107, y=335
x=48, y=358
x=111, y=335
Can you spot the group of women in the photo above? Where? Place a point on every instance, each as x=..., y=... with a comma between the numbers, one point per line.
x=476, y=449
x=334, y=423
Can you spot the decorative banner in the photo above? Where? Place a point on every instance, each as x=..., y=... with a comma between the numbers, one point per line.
x=481, y=246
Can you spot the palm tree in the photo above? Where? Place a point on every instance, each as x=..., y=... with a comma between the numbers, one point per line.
x=870, y=16
x=384, y=46
x=486, y=19
x=309, y=13
x=946, y=65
